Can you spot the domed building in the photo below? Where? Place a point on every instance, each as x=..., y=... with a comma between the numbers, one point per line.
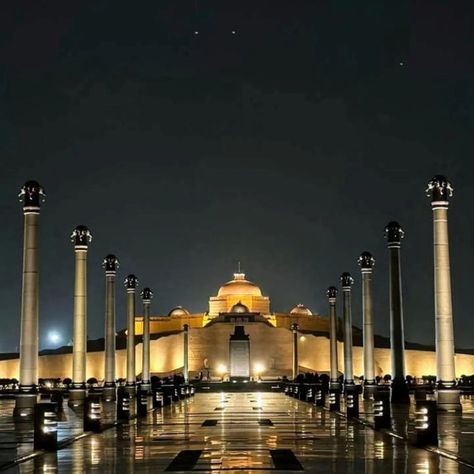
x=301, y=310
x=239, y=290
x=238, y=337
x=178, y=311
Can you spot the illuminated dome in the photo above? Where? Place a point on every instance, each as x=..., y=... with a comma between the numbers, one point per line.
x=239, y=308
x=179, y=311
x=301, y=309
x=239, y=286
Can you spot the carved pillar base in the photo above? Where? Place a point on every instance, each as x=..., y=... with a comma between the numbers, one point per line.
x=369, y=390
x=145, y=386
x=76, y=397
x=399, y=392
x=109, y=394
x=25, y=406
x=131, y=390
x=448, y=400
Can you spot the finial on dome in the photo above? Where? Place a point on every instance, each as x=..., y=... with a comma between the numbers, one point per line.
x=439, y=189
x=366, y=261
x=81, y=237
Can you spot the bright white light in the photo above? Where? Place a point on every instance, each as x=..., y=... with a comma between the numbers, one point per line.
x=221, y=369
x=258, y=368
x=54, y=337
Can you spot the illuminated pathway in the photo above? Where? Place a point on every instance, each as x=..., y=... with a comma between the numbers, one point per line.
x=241, y=431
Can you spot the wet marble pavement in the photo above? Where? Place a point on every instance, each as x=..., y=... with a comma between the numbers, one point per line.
x=245, y=432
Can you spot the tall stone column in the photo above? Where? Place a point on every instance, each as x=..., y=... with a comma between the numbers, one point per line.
x=332, y=294
x=110, y=264
x=440, y=190
x=81, y=237
x=346, y=282
x=366, y=263
x=147, y=295
x=399, y=388
x=186, y=352
x=294, y=331
x=31, y=195
x=131, y=283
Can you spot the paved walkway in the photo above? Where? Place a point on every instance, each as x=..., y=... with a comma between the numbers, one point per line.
x=246, y=432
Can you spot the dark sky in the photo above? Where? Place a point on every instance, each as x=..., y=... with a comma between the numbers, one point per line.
x=288, y=145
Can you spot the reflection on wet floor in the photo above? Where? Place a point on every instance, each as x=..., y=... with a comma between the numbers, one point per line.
x=193, y=436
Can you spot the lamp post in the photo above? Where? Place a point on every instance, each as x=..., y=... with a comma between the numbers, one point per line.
x=399, y=388
x=81, y=238
x=110, y=265
x=332, y=294
x=131, y=283
x=31, y=195
x=440, y=190
x=147, y=295
x=366, y=263
x=294, y=331
x=346, y=282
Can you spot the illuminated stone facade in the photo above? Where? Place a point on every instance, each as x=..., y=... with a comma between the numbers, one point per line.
x=270, y=344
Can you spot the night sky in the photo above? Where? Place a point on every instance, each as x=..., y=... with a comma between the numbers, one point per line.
x=288, y=145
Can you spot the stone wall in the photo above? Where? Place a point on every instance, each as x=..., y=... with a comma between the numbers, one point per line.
x=271, y=347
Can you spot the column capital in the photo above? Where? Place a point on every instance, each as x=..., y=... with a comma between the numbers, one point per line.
x=146, y=295
x=394, y=233
x=81, y=237
x=131, y=283
x=366, y=262
x=439, y=190
x=185, y=327
x=346, y=281
x=331, y=293
x=294, y=327
x=32, y=195
x=110, y=264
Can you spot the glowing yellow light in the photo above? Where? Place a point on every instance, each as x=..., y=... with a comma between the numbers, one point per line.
x=258, y=368
x=221, y=369
x=302, y=338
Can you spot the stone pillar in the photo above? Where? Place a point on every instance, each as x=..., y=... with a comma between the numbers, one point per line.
x=332, y=294
x=110, y=264
x=346, y=282
x=131, y=283
x=440, y=190
x=399, y=388
x=366, y=263
x=147, y=295
x=31, y=195
x=294, y=331
x=81, y=237
x=185, y=352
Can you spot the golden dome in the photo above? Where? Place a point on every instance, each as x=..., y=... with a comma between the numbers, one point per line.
x=179, y=311
x=302, y=310
x=239, y=286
